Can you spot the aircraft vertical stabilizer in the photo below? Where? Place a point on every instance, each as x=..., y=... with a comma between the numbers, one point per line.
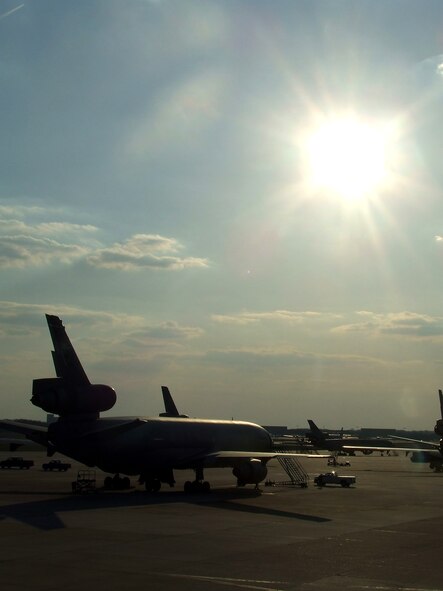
x=70, y=394
x=438, y=429
x=170, y=408
x=67, y=364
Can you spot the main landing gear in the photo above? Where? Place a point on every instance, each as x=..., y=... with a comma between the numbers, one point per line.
x=152, y=485
x=153, y=481
x=197, y=485
x=117, y=482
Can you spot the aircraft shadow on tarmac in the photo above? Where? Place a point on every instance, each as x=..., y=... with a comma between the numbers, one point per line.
x=43, y=514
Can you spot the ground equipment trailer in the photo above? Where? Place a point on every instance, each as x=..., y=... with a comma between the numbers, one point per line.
x=85, y=483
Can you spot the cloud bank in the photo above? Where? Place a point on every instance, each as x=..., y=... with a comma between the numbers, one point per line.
x=26, y=244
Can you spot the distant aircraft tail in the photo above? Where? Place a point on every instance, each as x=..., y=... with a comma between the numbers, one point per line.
x=438, y=429
x=70, y=393
x=316, y=433
x=170, y=408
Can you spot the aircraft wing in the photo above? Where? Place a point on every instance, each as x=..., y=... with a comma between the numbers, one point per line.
x=430, y=443
x=227, y=458
x=386, y=448
x=33, y=432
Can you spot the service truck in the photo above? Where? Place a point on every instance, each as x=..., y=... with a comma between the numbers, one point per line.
x=334, y=478
x=16, y=462
x=56, y=465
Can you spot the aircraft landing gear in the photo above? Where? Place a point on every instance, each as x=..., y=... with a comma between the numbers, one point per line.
x=152, y=485
x=153, y=480
x=197, y=485
x=116, y=482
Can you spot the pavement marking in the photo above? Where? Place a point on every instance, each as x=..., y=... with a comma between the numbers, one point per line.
x=396, y=588
x=241, y=583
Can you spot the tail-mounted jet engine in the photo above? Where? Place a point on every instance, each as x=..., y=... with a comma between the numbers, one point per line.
x=55, y=395
x=250, y=472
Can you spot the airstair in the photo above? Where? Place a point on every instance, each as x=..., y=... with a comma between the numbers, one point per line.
x=298, y=476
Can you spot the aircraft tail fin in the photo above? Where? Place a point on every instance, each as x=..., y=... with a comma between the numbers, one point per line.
x=70, y=394
x=170, y=408
x=438, y=429
x=67, y=364
x=315, y=431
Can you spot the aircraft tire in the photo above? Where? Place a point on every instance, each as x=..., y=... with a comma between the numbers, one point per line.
x=153, y=485
x=188, y=488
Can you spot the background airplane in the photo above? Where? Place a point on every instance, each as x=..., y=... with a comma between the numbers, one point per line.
x=348, y=444
x=170, y=408
x=425, y=452
x=150, y=447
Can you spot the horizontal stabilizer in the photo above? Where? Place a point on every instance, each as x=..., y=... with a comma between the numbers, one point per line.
x=33, y=432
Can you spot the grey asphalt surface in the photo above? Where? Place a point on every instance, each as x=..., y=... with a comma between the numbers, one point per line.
x=383, y=534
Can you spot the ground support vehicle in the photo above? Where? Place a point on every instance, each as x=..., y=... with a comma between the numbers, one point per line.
x=16, y=462
x=56, y=465
x=335, y=462
x=85, y=483
x=334, y=478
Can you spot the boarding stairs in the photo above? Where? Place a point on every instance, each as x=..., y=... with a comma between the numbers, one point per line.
x=297, y=474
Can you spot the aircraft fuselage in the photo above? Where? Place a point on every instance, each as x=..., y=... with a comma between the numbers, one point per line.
x=145, y=445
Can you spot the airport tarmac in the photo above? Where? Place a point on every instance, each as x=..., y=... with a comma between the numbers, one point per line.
x=383, y=534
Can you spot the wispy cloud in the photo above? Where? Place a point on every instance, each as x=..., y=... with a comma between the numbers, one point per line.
x=396, y=324
x=24, y=244
x=287, y=316
x=25, y=251
x=166, y=331
x=144, y=251
x=9, y=12
x=18, y=318
x=265, y=358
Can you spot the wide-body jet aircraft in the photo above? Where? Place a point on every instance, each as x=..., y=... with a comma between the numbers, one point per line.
x=151, y=448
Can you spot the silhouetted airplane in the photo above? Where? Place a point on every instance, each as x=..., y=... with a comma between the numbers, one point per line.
x=149, y=447
x=322, y=440
x=430, y=452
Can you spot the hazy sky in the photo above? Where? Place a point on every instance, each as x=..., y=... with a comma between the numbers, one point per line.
x=239, y=199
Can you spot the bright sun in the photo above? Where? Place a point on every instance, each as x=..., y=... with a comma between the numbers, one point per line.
x=348, y=157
